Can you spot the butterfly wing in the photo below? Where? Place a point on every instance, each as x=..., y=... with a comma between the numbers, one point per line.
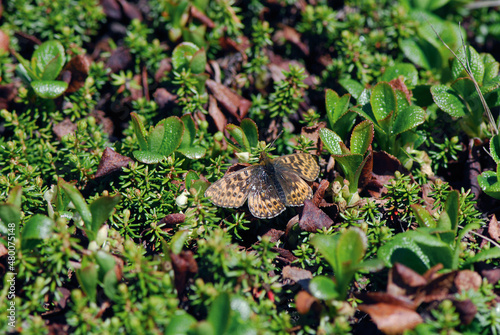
x=295, y=188
x=264, y=201
x=303, y=164
x=232, y=190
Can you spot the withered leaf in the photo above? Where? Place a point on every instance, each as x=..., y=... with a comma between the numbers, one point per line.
x=64, y=128
x=111, y=161
x=232, y=102
x=216, y=114
x=183, y=264
x=494, y=228
x=468, y=280
x=78, y=68
x=298, y=275
x=304, y=302
x=120, y=59
x=171, y=220
x=313, y=218
x=392, y=319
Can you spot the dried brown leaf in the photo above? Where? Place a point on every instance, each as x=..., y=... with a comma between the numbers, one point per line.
x=468, y=280
x=78, y=68
x=313, y=218
x=494, y=228
x=304, y=302
x=111, y=161
x=392, y=319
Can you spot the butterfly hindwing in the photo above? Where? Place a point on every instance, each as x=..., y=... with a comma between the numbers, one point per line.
x=264, y=201
x=295, y=188
x=232, y=190
x=302, y=164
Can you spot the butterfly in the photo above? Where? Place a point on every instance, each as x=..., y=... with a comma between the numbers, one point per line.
x=269, y=186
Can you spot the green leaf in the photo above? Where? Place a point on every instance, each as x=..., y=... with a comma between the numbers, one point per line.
x=448, y=100
x=451, y=207
x=475, y=62
x=408, y=71
x=239, y=136
x=367, y=112
x=326, y=245
x=383, y=101
x=199, y=61
x=323, y=288
x=183, y=54
x=87, y=277
x=110, y=285
x=424, y=218
x=331, y=141
x=101, y=210
x=9, y=214
x=187, y=146
x=139, y=131
x=495, y=148
x=484, y=255
x=417, y=250
x=351, y=248
x=106, y=263
x=178, y=240
x=15, y=196
x=421, y=52
x=180, y=324
x=362, y=137
x=353, y=87
x=191, y=176
x=219, y=313
x=336, y=106
x=49, y=89
x=491, y=68
x=249, y=127
x=38, y=227
x=78, y=201
x=407, y=119
x=172, y=135
x=489, y=183
x=148, y=157
x=49, y=59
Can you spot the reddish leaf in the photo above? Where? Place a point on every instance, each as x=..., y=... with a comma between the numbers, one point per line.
x=216, y=114
x=494, y=228
x=4, y=41
x=119, y=60
x=112, y=9
x=466, y=309
x=291, y=35
x=183, y=264
x=285, y=255
x=163, y=97
x=493, y=275
x=468, y=280
x=398, y=84
x=392, y=319
x=130, y=10
x=172, y=220
x=111, y=161
x=274, y=234
x=304, y=302
x=164, y=68
x=196, y=14
x=64, y=128
x=78, y=68
x=231, y=101
x=320, y=192
x=298, y=275
x=313, y=218
x=370, y=298
x=312, y=133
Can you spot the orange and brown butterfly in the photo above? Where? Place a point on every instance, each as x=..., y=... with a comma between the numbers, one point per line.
x=269, y=185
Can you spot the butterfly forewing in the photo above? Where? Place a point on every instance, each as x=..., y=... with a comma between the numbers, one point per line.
x=302, y=164
x=232, y=190
x=264, y=201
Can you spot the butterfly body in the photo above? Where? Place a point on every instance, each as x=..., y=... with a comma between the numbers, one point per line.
x=269, y=186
